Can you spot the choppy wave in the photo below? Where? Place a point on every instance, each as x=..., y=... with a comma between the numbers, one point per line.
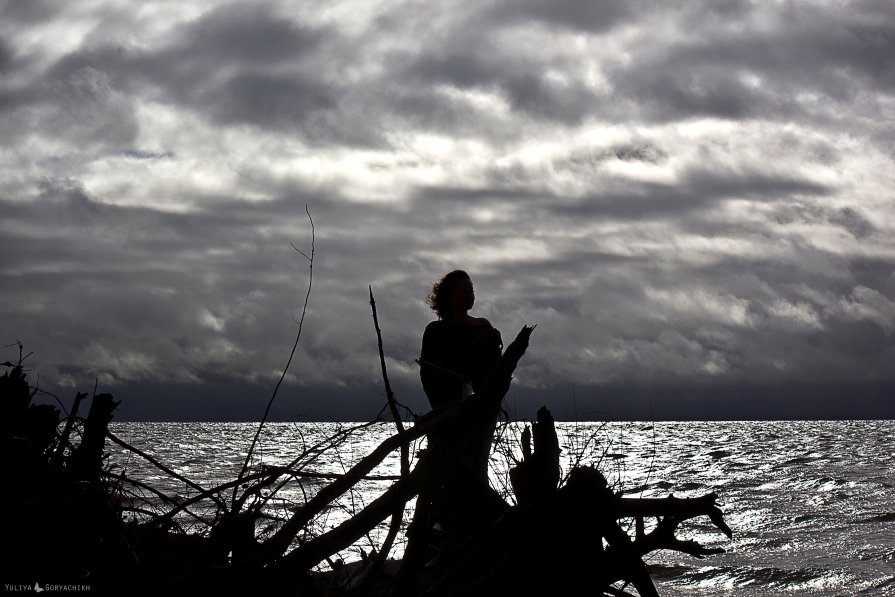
x=811, y=503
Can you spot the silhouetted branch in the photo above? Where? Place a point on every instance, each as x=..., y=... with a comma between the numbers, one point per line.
x=66, y=433
x=276, y=389
x=310, y=455
x=513, y=552
x=87, y=458
x=203, y=493
x=281, y=539
x=316, y=550
x=398, y=514
x=670, y=512
x=178, y=507
x=492, y=392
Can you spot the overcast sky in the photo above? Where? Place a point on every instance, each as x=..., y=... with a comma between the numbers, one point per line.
x=694, y=202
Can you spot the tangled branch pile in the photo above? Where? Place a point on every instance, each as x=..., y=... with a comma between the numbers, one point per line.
x=71, y=519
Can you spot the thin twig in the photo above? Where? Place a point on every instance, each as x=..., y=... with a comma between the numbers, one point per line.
x=156, y=516
x=392, y=403
x=179, y=477
x=245, y=465
x=312, y=454
x=398, y=514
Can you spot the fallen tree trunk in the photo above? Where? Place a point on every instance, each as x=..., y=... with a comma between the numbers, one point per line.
x=554, y=544
x=87, y=459
x=555, y=540
x=492, y=393
x=559, y=532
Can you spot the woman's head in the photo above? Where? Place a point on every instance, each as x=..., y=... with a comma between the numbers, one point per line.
x=451, y=294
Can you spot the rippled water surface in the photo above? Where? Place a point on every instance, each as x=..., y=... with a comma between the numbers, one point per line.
x=811, y=503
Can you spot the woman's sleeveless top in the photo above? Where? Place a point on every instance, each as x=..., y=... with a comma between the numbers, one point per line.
x=469, y=350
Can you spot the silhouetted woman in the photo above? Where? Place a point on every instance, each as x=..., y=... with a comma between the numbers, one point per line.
x=458, y=354
x=463, y=348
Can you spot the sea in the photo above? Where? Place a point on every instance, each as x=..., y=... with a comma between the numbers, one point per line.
x=811, y=503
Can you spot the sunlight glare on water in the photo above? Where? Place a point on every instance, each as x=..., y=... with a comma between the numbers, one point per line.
x=810, y=502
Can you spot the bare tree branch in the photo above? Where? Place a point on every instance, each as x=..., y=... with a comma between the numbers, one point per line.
x=398, y=514
x=245, y=465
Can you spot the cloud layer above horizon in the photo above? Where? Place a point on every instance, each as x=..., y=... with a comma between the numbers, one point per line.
x=676, y=194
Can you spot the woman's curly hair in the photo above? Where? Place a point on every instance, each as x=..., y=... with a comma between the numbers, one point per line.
x=440, y=297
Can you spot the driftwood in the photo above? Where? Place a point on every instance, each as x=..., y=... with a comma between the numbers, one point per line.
x=60, y=522
x=555, y=539
x=558, y=541
x=398, y=514
x=86, y=461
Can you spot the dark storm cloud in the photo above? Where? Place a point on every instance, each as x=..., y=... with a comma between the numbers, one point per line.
x=234, y=64
x=81, y=107
x=241, y=63
x=821, y=50
x=832, y=51
x=847, y=218
x=240, y=34
x=679, y=196
x=522, y=83
x=589, y=17
x=852, y=221
x=184, y=297
x=142, y=154
x=698, y=188
x=7, y=57
x=468, y=54
x=26, y=12
x=192, y=269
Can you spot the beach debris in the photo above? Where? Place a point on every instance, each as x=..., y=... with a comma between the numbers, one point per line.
x=558, y=536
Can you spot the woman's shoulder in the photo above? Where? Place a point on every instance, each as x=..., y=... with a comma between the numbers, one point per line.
x=434, y=326
x=469, y=322
x=441, y=330
x=436, y=329
x=480, y=321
